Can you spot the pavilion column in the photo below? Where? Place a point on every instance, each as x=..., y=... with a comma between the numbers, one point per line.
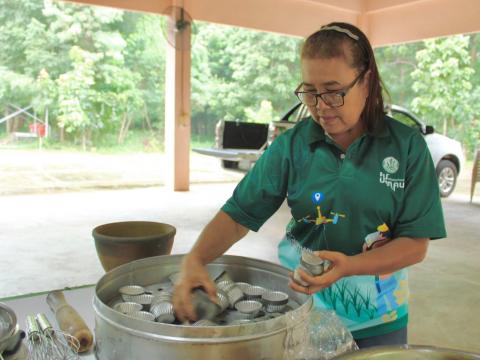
x=177, y=109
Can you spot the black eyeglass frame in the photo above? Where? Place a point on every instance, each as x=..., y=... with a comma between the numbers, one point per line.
x=342, y=92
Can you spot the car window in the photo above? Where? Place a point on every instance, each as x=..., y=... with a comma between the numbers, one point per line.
x=405, y=119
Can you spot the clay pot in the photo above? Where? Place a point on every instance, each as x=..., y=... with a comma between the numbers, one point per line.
x=122, y=242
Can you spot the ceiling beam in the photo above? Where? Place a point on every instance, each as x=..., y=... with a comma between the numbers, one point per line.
x=149, y=6
x=373, y=5
x=289, y=17
x=422, y=19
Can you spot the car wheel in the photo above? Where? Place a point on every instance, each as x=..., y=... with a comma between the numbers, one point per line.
x=447, y=177
x=228, y=164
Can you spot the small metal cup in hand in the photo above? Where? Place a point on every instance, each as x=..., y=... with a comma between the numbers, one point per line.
x=312, y=263
x=204, y=307
x=297, y=278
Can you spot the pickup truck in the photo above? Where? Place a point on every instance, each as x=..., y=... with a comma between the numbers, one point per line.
x=239, y=144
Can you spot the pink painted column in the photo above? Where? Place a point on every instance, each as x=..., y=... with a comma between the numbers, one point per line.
x=177, y=109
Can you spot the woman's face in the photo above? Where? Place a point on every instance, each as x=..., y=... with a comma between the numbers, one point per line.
x=323, y=75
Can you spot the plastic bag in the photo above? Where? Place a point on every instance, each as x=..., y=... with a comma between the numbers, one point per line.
x=321, y=336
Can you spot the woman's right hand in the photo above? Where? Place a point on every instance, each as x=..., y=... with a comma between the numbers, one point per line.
x=193, y=275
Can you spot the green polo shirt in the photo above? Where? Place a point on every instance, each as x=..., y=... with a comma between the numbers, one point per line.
x=339, y=201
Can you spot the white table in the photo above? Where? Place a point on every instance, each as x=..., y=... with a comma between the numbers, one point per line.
x=80, y=298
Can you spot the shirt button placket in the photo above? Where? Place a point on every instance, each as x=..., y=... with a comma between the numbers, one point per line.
x=346, y=169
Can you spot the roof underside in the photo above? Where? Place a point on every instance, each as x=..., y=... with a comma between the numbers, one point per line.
x=384, y=21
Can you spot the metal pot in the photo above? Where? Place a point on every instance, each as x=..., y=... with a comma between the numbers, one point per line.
x=10, y=335
x=408, y=352
x=119, y=337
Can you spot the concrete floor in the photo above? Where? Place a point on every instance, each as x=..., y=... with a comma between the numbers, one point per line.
x=46, y=244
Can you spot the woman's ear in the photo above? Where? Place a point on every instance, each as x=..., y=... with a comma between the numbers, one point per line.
x=366, y=82
x=366, y=78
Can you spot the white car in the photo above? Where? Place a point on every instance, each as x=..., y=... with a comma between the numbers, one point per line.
x=446, y=153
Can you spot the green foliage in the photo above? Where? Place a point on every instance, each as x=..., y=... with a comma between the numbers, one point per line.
x=443, y=86
x=99, y=72
x=145, y=55
x=234, y=69
x=14, y=87
x=263, y=115
x=14, y=17
x=75, y=94
x=442, y=78
x=395, y=64
x=445, y=77
x=71, y=63
x=45, y=92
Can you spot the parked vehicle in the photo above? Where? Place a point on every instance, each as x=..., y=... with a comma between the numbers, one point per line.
x=447, y=153
x=240, y=144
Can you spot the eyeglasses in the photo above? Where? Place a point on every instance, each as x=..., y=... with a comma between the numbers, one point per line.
x=331, y=98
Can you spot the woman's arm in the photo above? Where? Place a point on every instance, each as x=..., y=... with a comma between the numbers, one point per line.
x=395, y=255
x=215, y=239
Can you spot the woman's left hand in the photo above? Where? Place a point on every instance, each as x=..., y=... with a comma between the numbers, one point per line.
x=339, y=267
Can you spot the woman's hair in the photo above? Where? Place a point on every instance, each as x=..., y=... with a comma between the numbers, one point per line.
x=339, y=39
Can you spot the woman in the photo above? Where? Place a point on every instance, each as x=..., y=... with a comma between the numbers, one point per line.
x=361, y=188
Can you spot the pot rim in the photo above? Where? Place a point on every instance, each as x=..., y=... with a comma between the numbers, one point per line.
x=393, y=349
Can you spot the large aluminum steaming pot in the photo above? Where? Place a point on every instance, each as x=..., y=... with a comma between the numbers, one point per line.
x=119, y=337
x=408, y=352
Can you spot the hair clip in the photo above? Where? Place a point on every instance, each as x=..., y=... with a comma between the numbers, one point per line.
x=342, y=30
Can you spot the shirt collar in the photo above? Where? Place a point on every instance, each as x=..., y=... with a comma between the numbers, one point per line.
x=316, y=132
x=384, y=130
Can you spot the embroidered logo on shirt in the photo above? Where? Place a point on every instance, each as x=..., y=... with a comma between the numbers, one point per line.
x=391, y=166
x=393, y=184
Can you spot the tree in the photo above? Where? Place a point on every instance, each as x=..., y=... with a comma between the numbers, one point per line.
x=445, y=75
x=145, y=56
x=99, y=71
x=15, y=17
x=76, y=97
x=94, y=70
x=472, y=138
x=262, y=115
x=395, y=64
x=442, y=84
x=236, y=69
x=16, y=86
